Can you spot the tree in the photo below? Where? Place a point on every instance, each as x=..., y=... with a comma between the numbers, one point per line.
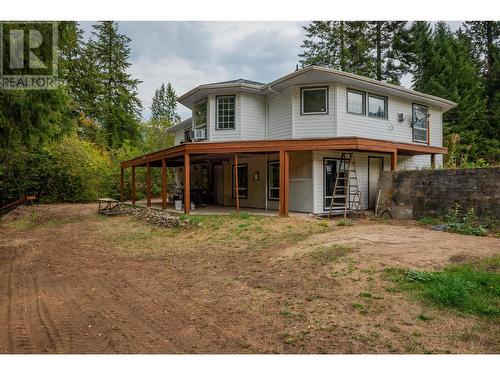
x=164, y=105
x=117, y=105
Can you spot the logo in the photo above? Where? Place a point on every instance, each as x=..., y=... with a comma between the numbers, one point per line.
x=28, y=55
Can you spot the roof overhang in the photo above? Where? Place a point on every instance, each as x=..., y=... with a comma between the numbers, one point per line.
x=322, y=75
x=184, y=124
x=316, y=144
x=200, y=92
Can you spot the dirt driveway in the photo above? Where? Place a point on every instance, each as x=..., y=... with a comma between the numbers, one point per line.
x=74, y=282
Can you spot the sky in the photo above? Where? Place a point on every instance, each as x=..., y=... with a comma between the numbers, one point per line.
x=188, y=54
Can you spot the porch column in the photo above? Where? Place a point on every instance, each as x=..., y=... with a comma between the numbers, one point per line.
x=187, y=183
x=133, y=186
x=236, y=183
x=394, y=160
x=148, y=185
x=433, y=161
x=284, y=177
x=122, y=187
x=163, y=184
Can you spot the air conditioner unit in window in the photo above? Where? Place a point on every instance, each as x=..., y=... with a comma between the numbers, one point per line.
x=198, y=134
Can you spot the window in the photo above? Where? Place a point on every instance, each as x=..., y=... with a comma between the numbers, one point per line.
x=242, y=181
x=225, y=112
x=273, y=182
x=420, y=123
x=377, y=106
x=187, y=135
x=200, y=114
x=314, y=100
x=356, y=102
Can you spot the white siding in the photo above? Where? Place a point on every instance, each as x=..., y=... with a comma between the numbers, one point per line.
x=215, y=135
x=361, y=160
x=314, y=126
x=253, y=116
x=280, y=115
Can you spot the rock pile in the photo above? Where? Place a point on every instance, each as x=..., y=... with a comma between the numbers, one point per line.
x=156, y=217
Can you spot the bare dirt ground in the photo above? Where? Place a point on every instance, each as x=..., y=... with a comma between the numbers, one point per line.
x=74, y=282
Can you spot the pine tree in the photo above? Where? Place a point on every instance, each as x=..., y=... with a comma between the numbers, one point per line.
x=118, y=107
x=164, y=105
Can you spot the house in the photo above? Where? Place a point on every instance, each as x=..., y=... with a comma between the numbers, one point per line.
x=285, y=139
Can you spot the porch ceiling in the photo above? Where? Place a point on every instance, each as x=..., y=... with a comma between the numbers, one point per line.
x=221, y=150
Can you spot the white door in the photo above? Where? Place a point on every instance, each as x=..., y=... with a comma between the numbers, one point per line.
x=375, y=166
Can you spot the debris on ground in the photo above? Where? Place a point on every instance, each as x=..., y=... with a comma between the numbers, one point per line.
x=156, y=217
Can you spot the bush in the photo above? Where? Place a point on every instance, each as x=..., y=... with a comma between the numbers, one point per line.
x=456, y=222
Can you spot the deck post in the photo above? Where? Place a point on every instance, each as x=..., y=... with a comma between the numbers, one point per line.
x=433, y=161
x=122, y=187
x=163, y=184
x=394, y=160
x=236, y=184
x=148, y=185
x=187, y=183
x=286, y=179
x=282, y=184
x=133, y=186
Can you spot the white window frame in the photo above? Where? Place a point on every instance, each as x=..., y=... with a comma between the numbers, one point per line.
x=269, y=187
x=204, y=125
x=363, y=105
x=427, y=140
x=304, y=89
x=217, y=124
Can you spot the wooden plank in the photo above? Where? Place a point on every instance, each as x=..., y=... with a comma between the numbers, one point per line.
x=148, y=185
x=163, y=184
x=133, y=186
x=282, y=183
x=394, y=161
x=187, y=183
x=236, y=184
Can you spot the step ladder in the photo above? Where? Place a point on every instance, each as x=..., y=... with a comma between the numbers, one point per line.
x=346, y=196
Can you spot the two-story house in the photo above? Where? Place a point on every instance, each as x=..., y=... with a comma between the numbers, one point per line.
x=277, y=146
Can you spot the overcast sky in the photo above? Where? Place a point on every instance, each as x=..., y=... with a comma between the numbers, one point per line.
x=188, y=54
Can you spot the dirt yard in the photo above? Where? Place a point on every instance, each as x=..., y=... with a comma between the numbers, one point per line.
x=75, y=282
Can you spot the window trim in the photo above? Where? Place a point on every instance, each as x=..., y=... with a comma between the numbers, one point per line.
x=217, y=111
x=233, y=190
x=427, y=121
x=386, y=106
x=302, y=89
x=268, y=180
x=205, y=125
x=354, y=91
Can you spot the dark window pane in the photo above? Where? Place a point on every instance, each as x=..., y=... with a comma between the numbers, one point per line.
x=420, y=122
x=200, y=114
x=376, y=107
x=274, y=180
x=314, y=101
x=355, y=102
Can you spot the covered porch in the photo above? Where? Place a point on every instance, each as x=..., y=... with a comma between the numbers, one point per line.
x=219, y=155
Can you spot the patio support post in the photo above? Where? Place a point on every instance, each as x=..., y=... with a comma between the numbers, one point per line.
x=236, y=183
x=148, y=185
x=122, y=187
x=433, y=161
x=284, y=177
x=187, y=183
x=394, y=160
x=163, y=184
x=133, y=186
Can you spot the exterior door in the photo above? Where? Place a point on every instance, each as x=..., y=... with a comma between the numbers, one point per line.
x=375, y=166
x=219, y=184
x=331, y=167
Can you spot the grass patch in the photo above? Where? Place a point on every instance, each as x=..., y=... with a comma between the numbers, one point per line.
x=360, y=308
x=471, y=288
x=325, y=254
x=427, y=220
x=345, y=223
x=369, y=295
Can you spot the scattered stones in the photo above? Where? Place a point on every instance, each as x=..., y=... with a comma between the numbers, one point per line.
x=156, y=217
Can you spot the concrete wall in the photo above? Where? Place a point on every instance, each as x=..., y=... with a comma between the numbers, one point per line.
x=413, y=194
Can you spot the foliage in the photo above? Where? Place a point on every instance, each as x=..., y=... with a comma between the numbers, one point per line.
x=457, y=222
x=325, y=254
x=470, y=288
x=164, y=105
x=345, y=223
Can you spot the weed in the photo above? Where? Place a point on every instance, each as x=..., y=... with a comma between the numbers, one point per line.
x=463, y=224
x=426, y=220
x=325, y=254
x=369, y=295
x=424, y=317
x=345, y=223
x=359, y=307
x=286, y=313
x=323, y=223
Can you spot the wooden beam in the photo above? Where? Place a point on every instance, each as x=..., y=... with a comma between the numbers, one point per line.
x=394, y=160
x=133, y=186
x=148, y=185
x=163, y=184
x=282, y=183
x=236, y=183
x=187, y=183
x=286, y=180
x=122, y=186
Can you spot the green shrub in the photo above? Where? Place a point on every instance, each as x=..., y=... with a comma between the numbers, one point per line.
x=466, y=224
x=345, y=223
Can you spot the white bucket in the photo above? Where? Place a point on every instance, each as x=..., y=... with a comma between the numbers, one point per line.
x=178, y=205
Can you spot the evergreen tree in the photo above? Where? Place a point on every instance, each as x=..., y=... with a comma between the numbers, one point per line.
x=164, y=105
x=117, y=105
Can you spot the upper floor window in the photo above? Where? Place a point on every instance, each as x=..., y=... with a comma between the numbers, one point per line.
x=420, y=123
x=200, y=114
x=314, y=100
x=377, y=106
x=225, y=112
x=356, y=102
